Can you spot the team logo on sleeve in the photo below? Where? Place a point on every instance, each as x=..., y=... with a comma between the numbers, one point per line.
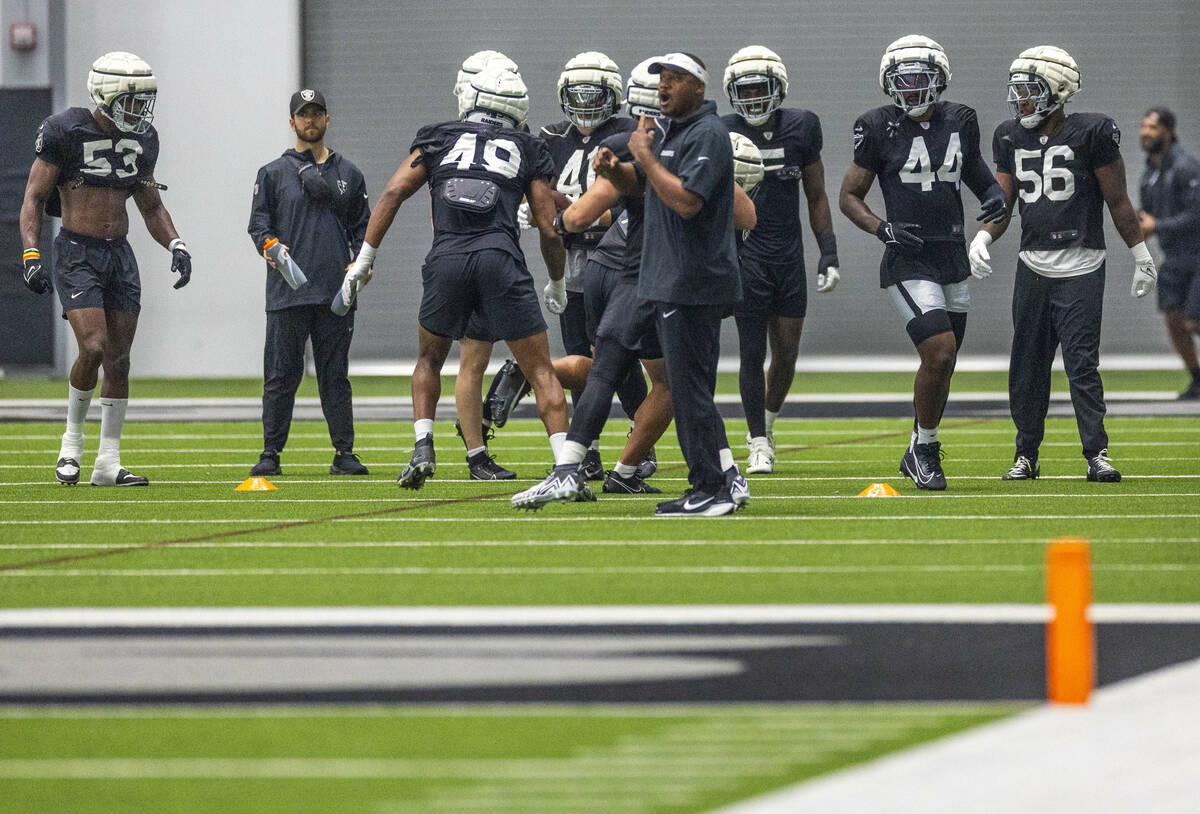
x=342, y=187
x=1116, y=134
x=256, y=189
x=860, y=135
x=41, y=140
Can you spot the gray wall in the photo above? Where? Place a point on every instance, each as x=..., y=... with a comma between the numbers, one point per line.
x=388, y=68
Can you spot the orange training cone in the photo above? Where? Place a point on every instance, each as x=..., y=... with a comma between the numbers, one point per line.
x=256, y=485
x=879, y=490
x=1070, y=640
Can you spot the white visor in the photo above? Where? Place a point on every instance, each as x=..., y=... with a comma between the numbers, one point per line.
x=682, y=62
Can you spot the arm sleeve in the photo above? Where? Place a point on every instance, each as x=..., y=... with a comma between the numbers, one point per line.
x=1106, y=143
x=1186, y=219
x=976, y=172
x=50, y=145
x=543, y=162
x=260, y=211
x=866, y=146
x=707, y=163
x=357, y=216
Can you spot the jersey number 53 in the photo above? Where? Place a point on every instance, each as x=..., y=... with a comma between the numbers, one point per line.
x=97, y=163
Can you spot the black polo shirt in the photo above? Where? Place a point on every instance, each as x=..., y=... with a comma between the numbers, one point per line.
x=693, y=262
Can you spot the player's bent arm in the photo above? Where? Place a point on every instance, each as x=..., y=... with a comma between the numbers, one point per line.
x=541, y=205
x=852, y=198
x=820, y=219
x=592, y=205
x=745, y=216
x=155, y=214
x=998, y=227
x=1111, y=179
x=404, y=182
x=42, y=177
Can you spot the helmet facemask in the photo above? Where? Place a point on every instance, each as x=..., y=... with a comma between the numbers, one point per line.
x=755, y=97
x=1025, y=89
x=587, y=104
x=131, y=112
x=914, y=87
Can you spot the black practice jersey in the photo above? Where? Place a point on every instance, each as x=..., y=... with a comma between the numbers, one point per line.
x=85, y=153
x=635, y=205
x=921, y=165
x=792, y=143
x=478, y=174
x=1057, y=192
x=573, y=153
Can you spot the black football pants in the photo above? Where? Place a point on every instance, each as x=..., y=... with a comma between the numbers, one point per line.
x=1048, y=312
x=283, y=368
x=691, y=342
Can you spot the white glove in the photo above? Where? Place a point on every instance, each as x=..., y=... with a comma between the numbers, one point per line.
x=523, y=215
x=554, y=296
x=828, y=280
x=978, y=255
x=359, y=274
x=1145, y=275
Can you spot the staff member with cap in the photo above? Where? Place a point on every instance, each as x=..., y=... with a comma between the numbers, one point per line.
x=308, y=220
x=690, y=270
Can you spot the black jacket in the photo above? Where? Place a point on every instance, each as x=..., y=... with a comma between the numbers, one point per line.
x=322, y=237
x=1171, y=193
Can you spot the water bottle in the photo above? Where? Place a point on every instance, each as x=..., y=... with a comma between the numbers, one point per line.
x=284, y=263
x=339, y=306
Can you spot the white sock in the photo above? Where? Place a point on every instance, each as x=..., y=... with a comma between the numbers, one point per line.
x=78, y=402
x=726, y=456
x=771, y=422
x=112, y=419
x=556, y=444
x=925, y=436
x=595, y=444
x=471, y=453
x=912, y=440
x=625, y=470
x=569, y=452
x=422, y=427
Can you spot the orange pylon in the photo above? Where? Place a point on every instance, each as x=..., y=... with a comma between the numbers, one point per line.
x=1070, y=639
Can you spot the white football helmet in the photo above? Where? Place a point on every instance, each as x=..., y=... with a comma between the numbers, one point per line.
x=477, y=62
x=747, y=162
x=590, y=89
x=642, y=91
x=123, y=88
x=756, y=82
x=914, y=71
x=1045, y=75
x=496, y=96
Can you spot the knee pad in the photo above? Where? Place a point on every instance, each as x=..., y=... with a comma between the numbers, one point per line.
x=931, y=323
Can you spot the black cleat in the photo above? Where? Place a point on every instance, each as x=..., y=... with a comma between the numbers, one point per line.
x=648, y=466
x=66, y=471
x=923, y=463
x=592, y=468
x=347, y=463
x=508, y=387
x=1023, y=468
x=421, y=466
x=268, y=464
x=615, y=484
x=123, y=478
x=484, y=467
x=1101, y=470
x=695, y=503
x=1191, y=392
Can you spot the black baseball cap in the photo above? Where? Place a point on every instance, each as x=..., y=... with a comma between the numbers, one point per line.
x=308, y=96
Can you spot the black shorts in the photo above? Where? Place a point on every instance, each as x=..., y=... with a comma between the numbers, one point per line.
x=630, y=321
x=1179, y=289
x=598, y=282
x=940, y=261
x=489, y=280
x=91, y=272
x=478, y=328
x=773, y=288
x=573, y=325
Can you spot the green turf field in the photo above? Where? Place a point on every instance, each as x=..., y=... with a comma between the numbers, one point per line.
x=191, y=540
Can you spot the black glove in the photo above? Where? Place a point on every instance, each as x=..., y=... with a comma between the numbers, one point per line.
x=897, y=238
x=36, y=278
x=993, y=206
x=181, y=263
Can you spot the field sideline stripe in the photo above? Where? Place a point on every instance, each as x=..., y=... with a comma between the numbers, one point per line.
x=549, y=615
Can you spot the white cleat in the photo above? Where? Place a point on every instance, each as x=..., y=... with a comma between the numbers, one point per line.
x=762, y=457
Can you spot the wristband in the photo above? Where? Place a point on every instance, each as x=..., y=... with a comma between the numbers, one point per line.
x=177, y=243
x=1140, y=253
x=30, y=254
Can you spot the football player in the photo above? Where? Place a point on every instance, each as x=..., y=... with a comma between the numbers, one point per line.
x=1063, y=170
x=622, y=324
x=590, y=93
x=478, y=169
x=922, y=148
x=775, y=297
x=88, y=162
x=475, y=347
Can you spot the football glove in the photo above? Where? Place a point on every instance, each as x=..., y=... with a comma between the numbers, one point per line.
x=554, y=296
x=979, y=256
x=358, y=274
x=827, y=266
x=993, y=206
x=1145, y=275
x=827, y=280
x=181, y=262
x=36, y=278
x=524, y=216
x=900, y=239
